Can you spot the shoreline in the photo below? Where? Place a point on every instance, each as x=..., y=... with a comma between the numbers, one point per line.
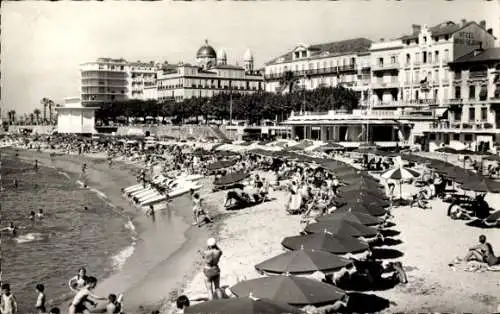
x=145, y=287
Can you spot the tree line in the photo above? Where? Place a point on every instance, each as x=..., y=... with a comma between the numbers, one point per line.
x=250, y=107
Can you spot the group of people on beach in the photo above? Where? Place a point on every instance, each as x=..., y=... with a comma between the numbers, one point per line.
x=84, y=301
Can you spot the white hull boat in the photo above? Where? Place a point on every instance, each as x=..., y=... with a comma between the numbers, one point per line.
x=182, y=189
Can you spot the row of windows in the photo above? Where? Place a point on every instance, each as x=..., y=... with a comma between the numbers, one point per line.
x=473, y=92
x=482, y=116
x=314, y=65
x=424, y=38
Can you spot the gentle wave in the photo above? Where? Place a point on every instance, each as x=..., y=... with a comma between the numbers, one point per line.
x=64, y=174
x=101, y=194
x=130, y=226
x=119, y=259
x=29, y=237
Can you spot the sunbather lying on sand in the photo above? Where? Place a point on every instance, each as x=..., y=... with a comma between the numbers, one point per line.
x=455, y=211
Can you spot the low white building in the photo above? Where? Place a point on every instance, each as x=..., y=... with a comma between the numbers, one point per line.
x=74, y=118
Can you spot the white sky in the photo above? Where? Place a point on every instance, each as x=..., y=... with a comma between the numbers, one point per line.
x=43, y=42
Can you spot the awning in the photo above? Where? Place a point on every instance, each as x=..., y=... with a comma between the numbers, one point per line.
x=440, y=112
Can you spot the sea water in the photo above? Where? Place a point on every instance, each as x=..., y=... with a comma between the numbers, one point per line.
x=50, y=250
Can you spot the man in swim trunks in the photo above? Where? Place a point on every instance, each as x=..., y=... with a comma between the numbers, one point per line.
x=483, y=252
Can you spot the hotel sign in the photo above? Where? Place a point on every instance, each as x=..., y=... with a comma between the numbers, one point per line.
x=466, y=38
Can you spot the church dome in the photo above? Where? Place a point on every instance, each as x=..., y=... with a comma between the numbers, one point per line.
x=248, y=56
x=206, y=51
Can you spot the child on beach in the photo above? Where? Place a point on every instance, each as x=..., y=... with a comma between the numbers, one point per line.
x=40, y=300
x=8, y=304
x=199, y=214
x=84, y=297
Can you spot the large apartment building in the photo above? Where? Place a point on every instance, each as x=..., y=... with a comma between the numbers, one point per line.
x=106, y=80
x=417, y=76
x=306, y=66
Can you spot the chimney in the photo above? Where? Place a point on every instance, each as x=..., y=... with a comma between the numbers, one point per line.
x=464, y=21
x=482, y=24
x=416, y=28
x=381, y=40
x=490, y=31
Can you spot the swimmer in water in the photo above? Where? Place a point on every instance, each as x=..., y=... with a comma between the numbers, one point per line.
x=40, y=214
x=16, y=184
x=32, y=216
x=85, y=208
x=12, y=229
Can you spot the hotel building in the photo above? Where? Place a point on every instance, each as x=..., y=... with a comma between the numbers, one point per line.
x=106, y=80
x=343, y=63
x=209, y=76
x=405, y=85
x=473, y=111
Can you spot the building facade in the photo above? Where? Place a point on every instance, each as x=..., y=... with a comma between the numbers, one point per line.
x=413, y=70
x=73, y=118
x=343, y=63
x=473, y=111
x=414, y=76
x=209, y=76
x=106, y=80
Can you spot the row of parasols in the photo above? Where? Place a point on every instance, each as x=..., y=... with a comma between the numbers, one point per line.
x=320, y=248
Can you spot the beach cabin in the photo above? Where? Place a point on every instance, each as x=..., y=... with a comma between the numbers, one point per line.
x=74, y=118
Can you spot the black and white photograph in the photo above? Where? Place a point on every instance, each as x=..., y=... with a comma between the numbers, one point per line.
x=249, y=157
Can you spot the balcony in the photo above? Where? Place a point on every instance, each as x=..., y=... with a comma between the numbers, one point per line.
x=385, y=66
x=455, y=127
x=457, y=77
x=393, y=83
x=347, y=68
x=454, y=101
x=478, y=74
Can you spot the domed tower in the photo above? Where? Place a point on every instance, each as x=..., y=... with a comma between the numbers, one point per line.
x=206, y=56
x=248, y=61
x=221, y=57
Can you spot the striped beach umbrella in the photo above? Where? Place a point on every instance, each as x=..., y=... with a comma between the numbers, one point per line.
x=400, y=173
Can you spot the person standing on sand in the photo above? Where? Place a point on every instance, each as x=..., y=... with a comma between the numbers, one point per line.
x=211, y=257
x=8, y=304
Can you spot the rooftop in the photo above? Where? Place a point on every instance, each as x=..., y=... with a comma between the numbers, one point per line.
x=442, y=29
x=491, y=54
x=228, y=67
x=337, y=48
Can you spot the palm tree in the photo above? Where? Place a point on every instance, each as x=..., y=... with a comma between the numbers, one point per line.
x=51, y=105
x=44, y=102
x=36, y=112
x=12, y=116
x=32, y=117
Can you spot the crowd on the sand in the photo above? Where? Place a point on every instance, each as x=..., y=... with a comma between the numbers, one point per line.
x=313, y=191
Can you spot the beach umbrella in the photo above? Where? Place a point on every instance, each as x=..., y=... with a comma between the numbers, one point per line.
x=289, y=289
x=363, y=194
x=492, y=158
x=448, y=150
x=374, y=205
x=221, y=164
x=341, y=227
x=231, y=178
x=400, y=174
x=493, y=217
x=481, y=185
x=303, y=262
x=244, y=305
x=325, y=241
x=329, y=147
x=361, y=218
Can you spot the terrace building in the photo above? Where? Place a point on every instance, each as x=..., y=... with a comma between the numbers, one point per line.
x=209, y=76
x=343, y=63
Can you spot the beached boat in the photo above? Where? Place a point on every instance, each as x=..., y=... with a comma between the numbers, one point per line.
x=156, y=179
x=181, y=189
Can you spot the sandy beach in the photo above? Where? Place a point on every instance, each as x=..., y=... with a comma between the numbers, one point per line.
x=430, y=241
